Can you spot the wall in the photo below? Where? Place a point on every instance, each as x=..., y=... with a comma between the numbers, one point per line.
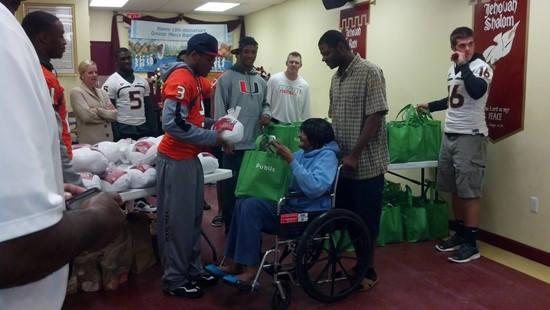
x=409, y=41
x=101, y=31
x=82, y=44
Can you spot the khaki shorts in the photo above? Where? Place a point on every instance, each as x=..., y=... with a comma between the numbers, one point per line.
x=461, y=164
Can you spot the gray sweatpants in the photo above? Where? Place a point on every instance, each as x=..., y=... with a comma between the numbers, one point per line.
x=180, y=199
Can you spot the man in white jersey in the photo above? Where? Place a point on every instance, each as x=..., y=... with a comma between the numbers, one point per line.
x=38, y=236
x=129, y=93
x=463, y=151
x=288, y=93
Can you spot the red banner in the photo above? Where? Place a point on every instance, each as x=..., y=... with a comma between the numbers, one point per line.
x=353, y=24
x=500, y=28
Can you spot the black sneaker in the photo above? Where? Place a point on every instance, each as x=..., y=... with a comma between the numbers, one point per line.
x=188, y=290
x=465, y=254
x=206, y=281
x=450, y=244
x=143, y=206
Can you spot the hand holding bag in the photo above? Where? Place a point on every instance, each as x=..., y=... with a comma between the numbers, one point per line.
x=416, y=137
x=287, y=134
x=263, y=174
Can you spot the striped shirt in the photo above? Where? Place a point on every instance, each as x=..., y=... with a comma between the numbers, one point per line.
x=356, y=93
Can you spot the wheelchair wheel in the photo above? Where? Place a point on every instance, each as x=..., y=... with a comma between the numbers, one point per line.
x=328, y=264
x=277, y=300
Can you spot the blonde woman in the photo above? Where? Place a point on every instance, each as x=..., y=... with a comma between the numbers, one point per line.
x=93, y=110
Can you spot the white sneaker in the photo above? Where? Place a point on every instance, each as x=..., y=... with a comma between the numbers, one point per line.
x=144, y=207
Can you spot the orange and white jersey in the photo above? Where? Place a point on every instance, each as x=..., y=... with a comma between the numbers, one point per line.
x=466, y=115
x=130, y=98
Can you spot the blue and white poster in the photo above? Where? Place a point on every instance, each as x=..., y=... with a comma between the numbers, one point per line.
x=153, y=44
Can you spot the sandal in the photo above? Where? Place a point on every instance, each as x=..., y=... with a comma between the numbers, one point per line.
x=217, y=221
x=367, y=284
x=241, y=284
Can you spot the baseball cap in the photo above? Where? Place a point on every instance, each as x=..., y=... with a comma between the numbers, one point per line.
x=244, y=41
x=203, y=43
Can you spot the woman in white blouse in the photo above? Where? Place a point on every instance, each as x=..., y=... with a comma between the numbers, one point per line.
x=93, y=110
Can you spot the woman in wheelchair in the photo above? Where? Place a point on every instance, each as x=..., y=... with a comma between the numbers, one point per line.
x=314, y=168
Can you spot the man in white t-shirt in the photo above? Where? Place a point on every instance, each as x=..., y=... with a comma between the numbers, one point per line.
x=38, y=236
x=288, y=93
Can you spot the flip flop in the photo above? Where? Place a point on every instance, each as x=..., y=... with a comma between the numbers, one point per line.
x=214, y=271
x=241, y=284
x=367, y=284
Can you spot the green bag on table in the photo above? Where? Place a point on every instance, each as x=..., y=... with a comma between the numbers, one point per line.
x=416, y=137
x=391, y=225
x=437, y=214
x=263, y=174
x=415, y=220
x=287, y=134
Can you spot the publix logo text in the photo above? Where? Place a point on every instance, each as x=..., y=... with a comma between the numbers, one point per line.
x=264, y=167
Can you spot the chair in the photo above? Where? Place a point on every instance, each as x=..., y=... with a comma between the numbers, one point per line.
x=325, y=252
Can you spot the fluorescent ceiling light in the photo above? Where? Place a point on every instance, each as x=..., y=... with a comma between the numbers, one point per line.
x=108, y=3
x=216, y=6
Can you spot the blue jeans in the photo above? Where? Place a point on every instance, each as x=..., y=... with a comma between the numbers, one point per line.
x=250, y=217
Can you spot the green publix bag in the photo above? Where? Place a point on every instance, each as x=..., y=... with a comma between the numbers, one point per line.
x=391, y=225
x=287, y=134
x=416, y=137
x=437, y=214
x=391, y=222
x=415, y=220
x=263, y=174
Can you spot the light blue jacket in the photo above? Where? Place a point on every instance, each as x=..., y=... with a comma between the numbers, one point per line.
x=313, y=174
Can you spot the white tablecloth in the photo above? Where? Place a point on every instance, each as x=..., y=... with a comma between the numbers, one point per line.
x=218, y=175
x=414, y=165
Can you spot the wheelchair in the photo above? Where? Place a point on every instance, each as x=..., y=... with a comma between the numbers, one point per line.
x=324, y=252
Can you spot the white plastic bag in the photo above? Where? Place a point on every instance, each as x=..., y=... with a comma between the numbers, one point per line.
x=141, y=152
x=111, y=150
x=90, y=180
x=115, y=180
x=209, y=162
x=233, y=130
x=89, y=160
x=142, y=176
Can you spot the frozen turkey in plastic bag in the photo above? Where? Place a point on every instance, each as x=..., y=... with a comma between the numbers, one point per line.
x=87, y=159
x=209, y=162
x=142, y=176
x=112, y=150
x=141, y=152
x=90, y=180
x=115, y=180
x=233, y=129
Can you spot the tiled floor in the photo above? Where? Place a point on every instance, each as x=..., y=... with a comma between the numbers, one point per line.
x=412, y=276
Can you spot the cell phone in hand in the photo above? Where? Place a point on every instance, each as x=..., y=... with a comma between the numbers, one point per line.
x=76, y=201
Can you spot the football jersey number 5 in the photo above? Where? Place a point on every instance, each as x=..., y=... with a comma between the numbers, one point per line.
x=135, y=100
